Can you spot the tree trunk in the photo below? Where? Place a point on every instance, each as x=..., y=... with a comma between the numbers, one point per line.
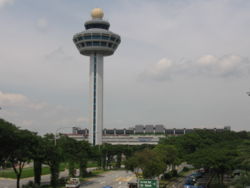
x=222, y=178
x=18, y=180
x=83, y=168
x=119, y=160
x=71, y=169
x=37, y=171
x=104, y=161
x=54, y=169
x=18, y=171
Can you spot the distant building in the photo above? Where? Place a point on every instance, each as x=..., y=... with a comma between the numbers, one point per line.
x=140, y=134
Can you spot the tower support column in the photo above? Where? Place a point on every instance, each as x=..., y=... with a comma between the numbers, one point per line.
x=96, y=98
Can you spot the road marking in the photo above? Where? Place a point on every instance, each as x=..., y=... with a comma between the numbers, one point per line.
x=124, y=179
x=102, y=182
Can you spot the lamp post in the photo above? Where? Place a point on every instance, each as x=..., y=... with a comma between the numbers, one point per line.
x=60, y=128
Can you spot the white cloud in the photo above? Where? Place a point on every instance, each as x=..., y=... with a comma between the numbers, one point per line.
x=6, y=2
x=37, y=116
x=229, y=65
x=159, y=71
x=82, y=120
x=207, y=65
x=42, y=23
x=58, y=55
x=12, y=99
x=207, y=60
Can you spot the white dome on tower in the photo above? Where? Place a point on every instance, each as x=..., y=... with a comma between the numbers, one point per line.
x=97, y=13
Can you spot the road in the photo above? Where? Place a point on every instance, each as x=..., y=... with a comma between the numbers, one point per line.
x=178, y=183
x=116, y=179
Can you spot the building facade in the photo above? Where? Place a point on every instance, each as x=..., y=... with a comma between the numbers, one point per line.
x=140, y=134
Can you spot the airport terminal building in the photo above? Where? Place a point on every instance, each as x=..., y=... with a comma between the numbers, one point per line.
x=137, y=135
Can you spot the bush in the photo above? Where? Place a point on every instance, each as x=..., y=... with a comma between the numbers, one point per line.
x=166, y=176
x=174, y=173
x=185, y=169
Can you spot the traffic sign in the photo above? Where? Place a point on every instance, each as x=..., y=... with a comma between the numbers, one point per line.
x=148, y=184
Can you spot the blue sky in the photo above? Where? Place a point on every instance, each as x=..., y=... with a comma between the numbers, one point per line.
x=180, y=63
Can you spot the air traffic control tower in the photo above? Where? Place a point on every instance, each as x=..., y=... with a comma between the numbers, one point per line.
x=96, y=41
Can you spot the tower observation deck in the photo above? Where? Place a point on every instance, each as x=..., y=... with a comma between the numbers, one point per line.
x=96, y=41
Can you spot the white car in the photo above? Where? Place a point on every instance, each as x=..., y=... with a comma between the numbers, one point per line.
x=73, y=183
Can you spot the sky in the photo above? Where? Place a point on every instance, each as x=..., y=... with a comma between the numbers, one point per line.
x=181, y=63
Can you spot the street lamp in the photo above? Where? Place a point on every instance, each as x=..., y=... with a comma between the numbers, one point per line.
x=60, y=128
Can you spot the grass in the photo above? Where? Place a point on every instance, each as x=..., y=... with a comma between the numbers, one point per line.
x=27, y=172
x=92, y=164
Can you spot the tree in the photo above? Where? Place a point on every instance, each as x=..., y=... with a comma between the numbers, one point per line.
x=7, y=138
x=148, y=161
x=54, y=155
x=242, y=181
x=219, y=158
x=26, y=143
x=243, y=159
x=38, y=157
x=84, y=153
x=168, y=154
x=70, y=149
x=17, y=147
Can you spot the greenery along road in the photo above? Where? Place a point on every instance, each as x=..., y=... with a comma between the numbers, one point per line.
x=218, y=152
x=29, y=171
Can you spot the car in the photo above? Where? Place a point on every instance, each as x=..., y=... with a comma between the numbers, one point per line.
x=193, y=186
x=107, y=186
x=73, y=183
x=196, y=175
x=189, y=181
x=132, y=185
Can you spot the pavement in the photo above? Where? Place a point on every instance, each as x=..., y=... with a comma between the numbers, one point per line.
x=11, y=183
x=116, y=179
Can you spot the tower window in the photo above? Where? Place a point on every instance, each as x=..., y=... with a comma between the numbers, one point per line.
x=97, y=25
x=110, y=45
x=96, y=37
x=79, y=38
x=88, y=43
x=87, y=37
x=105, y=37
x=95, y=43
x=112, y=38
x=82, y=44
x=103, y=44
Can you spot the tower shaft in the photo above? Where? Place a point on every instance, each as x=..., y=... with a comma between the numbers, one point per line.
x=96, y=41
x=96, y=98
